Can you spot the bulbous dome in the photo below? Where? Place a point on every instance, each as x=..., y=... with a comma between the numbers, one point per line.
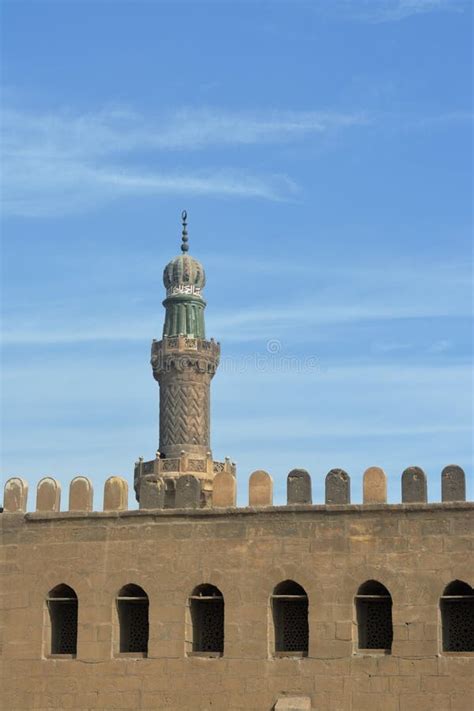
x=184, y=270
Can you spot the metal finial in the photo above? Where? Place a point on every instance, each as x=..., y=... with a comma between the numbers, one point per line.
x=184, y=233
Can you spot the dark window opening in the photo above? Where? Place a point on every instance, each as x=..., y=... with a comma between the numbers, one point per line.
x=207, y=619
x=290, y=618
x=457, y=616
x=62, y=606
x=132, y=605
x=374, y=616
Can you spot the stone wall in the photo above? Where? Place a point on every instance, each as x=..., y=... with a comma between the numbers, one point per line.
x=414, y=549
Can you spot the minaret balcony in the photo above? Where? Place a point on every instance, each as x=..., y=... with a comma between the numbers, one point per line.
x=184, y=352
x=203, y=468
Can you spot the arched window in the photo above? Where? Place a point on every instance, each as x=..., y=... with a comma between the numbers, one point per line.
x=457, y=617
x=290, y=619
x=132, y=607
x=62, y=606
x=206, y=606
x=374, y=617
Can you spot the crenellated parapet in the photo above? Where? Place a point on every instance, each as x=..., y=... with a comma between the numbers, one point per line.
x=188, y=491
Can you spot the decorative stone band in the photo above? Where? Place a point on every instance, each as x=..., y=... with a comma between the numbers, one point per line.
x=183, y=353
x=189, y=488
x=184, y=289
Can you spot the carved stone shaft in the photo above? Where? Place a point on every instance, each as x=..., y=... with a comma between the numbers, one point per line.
x=184, y=368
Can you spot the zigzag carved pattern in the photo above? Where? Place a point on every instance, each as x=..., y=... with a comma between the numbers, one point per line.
x=184, y=414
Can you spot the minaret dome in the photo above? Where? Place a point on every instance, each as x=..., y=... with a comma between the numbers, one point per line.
x=184, y=278
x=183, y=270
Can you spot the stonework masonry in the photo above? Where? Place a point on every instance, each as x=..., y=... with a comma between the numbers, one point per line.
x=415, y=550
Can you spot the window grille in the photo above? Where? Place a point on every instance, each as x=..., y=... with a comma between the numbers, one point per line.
x=62, y=606
x=374, y=617
x=457, y=615
x=132, y=604
x=290, y=618
x=207, y=617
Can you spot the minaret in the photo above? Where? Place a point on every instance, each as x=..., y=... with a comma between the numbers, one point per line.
x=184, y=363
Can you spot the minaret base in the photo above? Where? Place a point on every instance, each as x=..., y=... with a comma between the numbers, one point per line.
x=169, y=470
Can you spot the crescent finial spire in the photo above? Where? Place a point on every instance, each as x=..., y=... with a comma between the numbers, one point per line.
x=184, y=233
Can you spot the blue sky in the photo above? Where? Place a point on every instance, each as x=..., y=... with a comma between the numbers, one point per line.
x=323, y=152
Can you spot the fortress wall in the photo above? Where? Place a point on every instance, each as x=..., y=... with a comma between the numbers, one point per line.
x=415, y=550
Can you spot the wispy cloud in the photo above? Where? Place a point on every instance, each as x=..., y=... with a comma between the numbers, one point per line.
x=123, y=130
x=441, y=346
x=379, y=11
x=51, y=185
x=59, y=163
